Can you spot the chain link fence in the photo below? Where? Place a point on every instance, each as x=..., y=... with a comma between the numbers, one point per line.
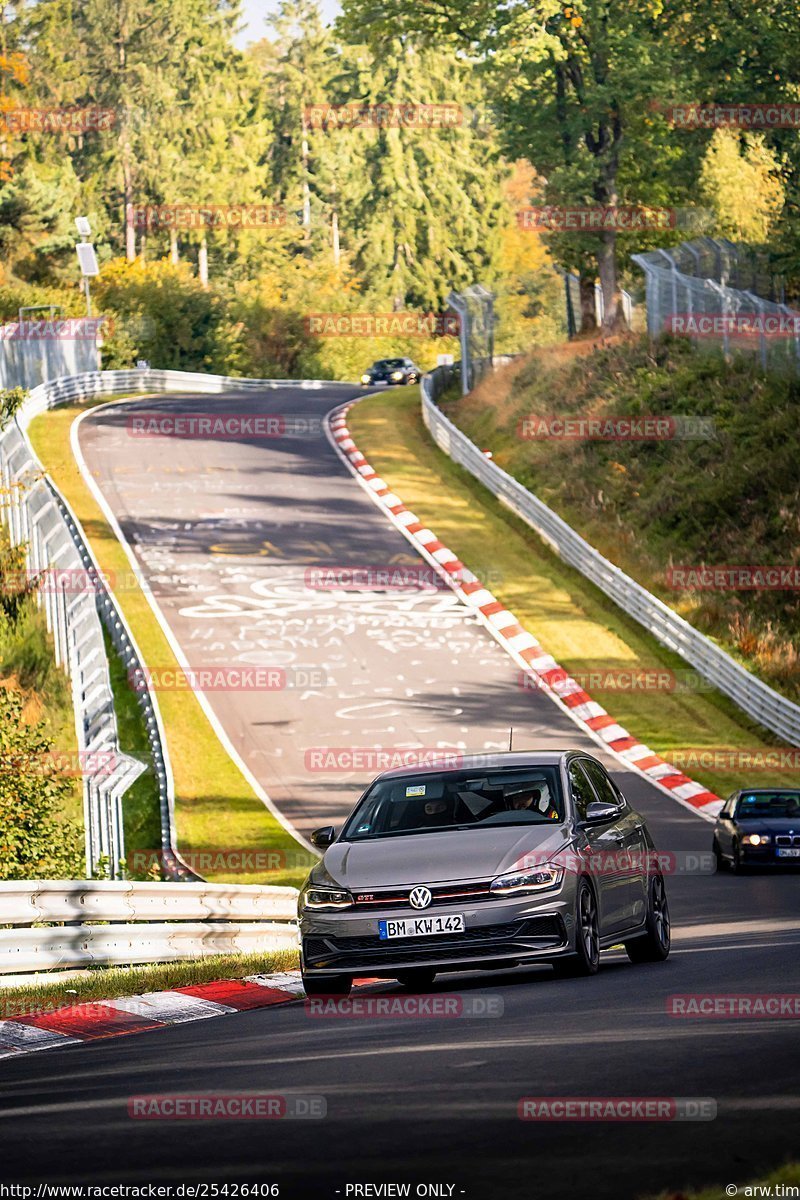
x=692, y=292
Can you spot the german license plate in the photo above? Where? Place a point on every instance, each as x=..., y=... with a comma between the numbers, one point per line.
x=408, y=927
x=784, y=853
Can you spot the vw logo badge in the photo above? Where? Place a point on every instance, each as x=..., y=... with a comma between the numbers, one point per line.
x=420, y=897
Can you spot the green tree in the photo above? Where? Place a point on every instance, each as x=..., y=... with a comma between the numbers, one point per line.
x=575, y=82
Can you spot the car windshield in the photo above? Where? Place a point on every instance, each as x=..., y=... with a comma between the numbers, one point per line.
x=388, y=364
x=766, y=806
x=457, y=800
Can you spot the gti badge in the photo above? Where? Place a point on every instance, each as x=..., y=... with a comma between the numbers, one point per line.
x=420, y=897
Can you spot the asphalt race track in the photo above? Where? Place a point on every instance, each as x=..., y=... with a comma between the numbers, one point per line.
x=225, y=531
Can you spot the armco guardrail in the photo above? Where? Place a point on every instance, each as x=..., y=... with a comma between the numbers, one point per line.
x=37, y=514
x=759, y=701
x=141, y=922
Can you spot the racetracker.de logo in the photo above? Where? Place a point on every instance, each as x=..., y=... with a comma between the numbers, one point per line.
x=402, y=1008
x=209, y=216
x=737, y=325
x=224, y=426
x=388, y=115
x=582, y=218
x=238, y=678
x=617, y=1108
x=725, y=1006
x=732, y=116
x=392, y=324
x=334, y=759
x=747, y=578
x=62, y=329
x=228, y=860
x=392, y=577
x=57, y=120
x=243, y=1106
x=588, y=428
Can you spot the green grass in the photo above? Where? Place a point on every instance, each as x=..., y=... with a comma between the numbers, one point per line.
x=576, y=622
x=141, y=812
x=214, y=804
x=108, y=983
x=731, y=499
x=788, y=1175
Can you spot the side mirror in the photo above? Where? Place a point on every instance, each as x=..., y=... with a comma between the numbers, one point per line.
x=597, y=812
x=322, y=838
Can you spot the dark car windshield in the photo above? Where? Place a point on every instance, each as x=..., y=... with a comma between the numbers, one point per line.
x=457, y=800
x=386, y=364
x=765, y=806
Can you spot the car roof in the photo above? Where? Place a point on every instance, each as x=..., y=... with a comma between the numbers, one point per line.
x=491, y=762
x=770, y=791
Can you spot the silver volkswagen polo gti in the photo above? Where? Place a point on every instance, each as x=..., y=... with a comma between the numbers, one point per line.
x=502, y=860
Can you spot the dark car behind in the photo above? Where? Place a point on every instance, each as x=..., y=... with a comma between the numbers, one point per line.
x=758, y=827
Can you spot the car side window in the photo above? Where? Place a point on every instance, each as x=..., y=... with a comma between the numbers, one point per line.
x=602, y=784
x=582, y=791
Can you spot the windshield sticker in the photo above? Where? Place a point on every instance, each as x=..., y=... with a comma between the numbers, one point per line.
x=418, y=790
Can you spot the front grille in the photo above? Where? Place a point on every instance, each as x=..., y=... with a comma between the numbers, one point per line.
x=442, y=893
x=783, y=839
x=499, y=941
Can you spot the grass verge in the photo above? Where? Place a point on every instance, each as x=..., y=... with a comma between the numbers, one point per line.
x=575, y=621
x=716, y=485
x=216, y=808
x=109, y=983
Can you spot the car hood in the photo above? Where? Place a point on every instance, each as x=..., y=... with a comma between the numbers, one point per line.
x=775, y=826
x=443, y=857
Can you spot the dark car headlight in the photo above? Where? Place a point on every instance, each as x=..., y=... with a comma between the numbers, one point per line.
x=756, y=839
x=539, y=879
x=326, y=897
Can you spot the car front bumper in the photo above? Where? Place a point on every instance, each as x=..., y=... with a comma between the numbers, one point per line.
x=518, y=929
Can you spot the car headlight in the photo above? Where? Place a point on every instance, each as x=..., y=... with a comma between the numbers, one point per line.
x=541, y=879
x=397, y=376
x=365, y=379
x=324, y=897
x=756, y=839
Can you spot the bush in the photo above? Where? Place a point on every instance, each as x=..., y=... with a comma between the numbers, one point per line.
x=35, y=841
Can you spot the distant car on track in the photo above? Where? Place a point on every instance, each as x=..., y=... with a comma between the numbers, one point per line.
x=513, y=858
x=391, y=371
x=758, y=827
